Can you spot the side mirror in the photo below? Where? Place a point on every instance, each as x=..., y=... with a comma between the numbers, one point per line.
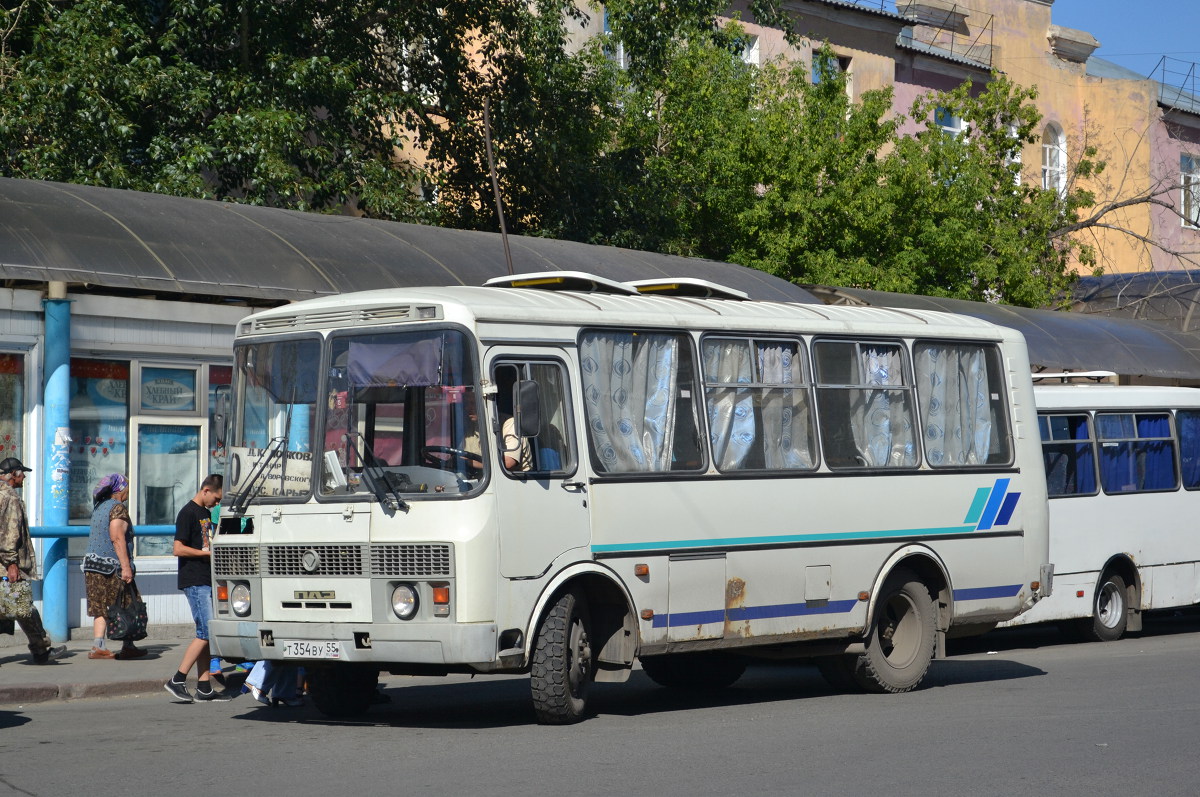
x=527, y=408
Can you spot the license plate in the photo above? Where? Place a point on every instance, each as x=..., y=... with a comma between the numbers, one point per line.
x=300, y=649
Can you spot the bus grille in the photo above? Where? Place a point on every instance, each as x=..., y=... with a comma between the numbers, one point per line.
x=331, y=560
x=235, y=560
x=411, y=561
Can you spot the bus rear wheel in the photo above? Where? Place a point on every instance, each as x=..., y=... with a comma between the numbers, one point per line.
x=345, y=690
x=1110, y=611
x=901, y=639
x=563, y=668
x=694, y=671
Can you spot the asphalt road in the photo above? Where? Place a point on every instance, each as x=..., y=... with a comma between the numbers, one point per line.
x=1017, y=712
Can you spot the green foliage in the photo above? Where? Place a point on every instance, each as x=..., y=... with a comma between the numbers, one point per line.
x=324, y=106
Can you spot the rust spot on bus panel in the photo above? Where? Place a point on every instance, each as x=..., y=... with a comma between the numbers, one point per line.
x=735, y=598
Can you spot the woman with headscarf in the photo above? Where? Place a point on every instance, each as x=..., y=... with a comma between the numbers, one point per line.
x=108, y=562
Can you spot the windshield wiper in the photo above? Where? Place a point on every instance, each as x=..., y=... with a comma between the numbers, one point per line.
x=258, y=476
x=385, y=485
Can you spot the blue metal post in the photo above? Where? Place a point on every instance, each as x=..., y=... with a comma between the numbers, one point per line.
x=56, y=471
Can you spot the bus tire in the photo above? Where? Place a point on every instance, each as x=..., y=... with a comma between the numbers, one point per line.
x=562, y=668
x=902, y=636
x=345, y=690
x=694, y=671
x=1110, y=610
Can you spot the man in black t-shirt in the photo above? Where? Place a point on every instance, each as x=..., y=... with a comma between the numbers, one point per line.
x=193, y=537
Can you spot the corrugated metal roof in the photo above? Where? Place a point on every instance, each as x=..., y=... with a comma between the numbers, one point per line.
x=169, y=245
x=1060, y=341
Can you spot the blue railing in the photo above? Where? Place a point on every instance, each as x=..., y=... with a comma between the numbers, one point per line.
x=84, y=531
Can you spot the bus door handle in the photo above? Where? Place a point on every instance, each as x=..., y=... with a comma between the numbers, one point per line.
x=573, y=486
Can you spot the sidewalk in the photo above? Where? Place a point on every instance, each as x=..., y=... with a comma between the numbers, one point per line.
x=75, y=676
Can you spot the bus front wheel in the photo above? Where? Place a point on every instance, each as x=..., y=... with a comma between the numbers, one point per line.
x=562, y=668
x=902, y=636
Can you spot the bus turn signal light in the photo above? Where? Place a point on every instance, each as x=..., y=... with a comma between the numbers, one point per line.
x=441, y=595
x=647, y=614
x=641, y=571
x=223, y=593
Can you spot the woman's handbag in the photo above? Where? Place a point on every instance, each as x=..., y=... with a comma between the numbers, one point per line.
x=16, y=599
x=127, y=614
x=104, y=565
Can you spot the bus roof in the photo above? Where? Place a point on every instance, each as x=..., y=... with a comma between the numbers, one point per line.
x=1118, y=397
x=530, y=306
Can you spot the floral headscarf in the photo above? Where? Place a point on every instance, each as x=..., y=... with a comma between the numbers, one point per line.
x=114, y=482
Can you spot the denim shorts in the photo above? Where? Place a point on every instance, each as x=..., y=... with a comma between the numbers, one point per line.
x=200, y=602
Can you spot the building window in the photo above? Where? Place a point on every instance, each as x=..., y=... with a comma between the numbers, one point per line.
x=822, y=72
x=1054, y=159
x=1189, y=180
x=948, y=122
x=99, y=428
x=1014, y=159
x=615, y=50
x=750, y=51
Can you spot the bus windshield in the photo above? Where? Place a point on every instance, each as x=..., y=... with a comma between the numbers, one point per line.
x=402, y=415
x=274, y=408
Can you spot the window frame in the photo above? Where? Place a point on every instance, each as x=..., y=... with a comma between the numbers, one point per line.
x=804, y=386
x=1054, y=147
x=1189, y=191
x=1171, y=438
x=821, y=388
x=1044, y=427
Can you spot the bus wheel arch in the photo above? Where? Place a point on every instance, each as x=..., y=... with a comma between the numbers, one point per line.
x=584, y=631
x=907, y=618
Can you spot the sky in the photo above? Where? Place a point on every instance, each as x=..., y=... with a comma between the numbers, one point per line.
x=1137, y=33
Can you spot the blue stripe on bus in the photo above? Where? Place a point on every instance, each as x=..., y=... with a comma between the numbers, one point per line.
x=982, y=593
x=993, y=504
x=1006, y=511
x=977, y=505
x=780, y=539
x=743, y=613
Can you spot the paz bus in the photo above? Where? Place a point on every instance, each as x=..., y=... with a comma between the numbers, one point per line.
x=1123, y=477
x=559, y=474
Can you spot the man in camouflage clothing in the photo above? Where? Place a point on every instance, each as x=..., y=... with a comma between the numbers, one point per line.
x=17, y=558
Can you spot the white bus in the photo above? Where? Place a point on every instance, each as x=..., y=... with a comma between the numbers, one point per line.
x=1123, y=477
x=690, y=478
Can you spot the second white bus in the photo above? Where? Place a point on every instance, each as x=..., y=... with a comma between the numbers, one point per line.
x=1123, y=478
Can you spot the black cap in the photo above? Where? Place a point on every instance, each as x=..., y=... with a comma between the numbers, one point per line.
x=12, y=465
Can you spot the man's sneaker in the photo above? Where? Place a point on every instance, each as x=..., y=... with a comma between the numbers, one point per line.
x=179, y=691
x=50, y=655
x=213, y=697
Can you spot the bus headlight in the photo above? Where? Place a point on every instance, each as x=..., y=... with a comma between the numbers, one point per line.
x=239, y=599
x=404, y=601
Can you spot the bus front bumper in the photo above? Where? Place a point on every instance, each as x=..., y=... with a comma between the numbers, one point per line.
x=410, y=643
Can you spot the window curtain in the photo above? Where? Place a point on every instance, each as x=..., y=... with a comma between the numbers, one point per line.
x=879, y=418
x=787, y=439
x=1157, y=456
x=730, y=409
x=1188, y=424
x=954, y=397
x=629, y=388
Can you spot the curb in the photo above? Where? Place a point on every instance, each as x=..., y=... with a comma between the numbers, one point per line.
x=44, y=693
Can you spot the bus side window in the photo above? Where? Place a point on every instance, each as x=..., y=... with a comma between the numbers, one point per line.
x=548, y=451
